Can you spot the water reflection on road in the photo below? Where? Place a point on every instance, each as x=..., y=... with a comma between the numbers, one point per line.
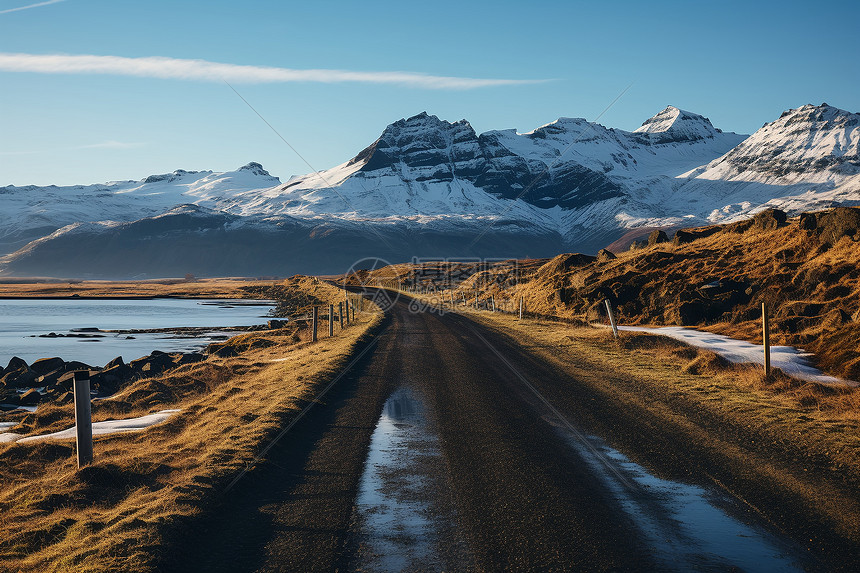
x=687, y=527
x=401, y=519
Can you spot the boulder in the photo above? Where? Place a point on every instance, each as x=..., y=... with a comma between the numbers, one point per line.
x=657, y=236
x=808, y=221
x=30, y=398
x=838, y=223
x=770, y=219
x=688, y=313
x=20, y=379
x=188, y=358
x=682, y=237
x=118, y=361
x=275, y=324
x=605, y=255
x=49, y=378
x=15, y=364
x=45, y=365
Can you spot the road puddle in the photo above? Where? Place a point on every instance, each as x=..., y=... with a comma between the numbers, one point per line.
x=689, y=528
x=403, y=519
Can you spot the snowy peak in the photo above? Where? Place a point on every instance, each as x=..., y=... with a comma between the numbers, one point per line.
x=674, y=124
x=419, y=141
x=811, y=143
x=255, y=168
x=170, y=177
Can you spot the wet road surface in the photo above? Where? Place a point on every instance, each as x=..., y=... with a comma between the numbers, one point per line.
x=450, y=448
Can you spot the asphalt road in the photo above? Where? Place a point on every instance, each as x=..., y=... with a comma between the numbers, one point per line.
x=520, y=497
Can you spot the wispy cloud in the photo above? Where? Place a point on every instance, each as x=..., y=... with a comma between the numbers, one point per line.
x=18, y=9
x=202, y=70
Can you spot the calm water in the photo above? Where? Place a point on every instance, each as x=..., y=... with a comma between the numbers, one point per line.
x=20, y=319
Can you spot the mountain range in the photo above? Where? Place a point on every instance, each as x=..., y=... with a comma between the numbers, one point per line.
x=432, y=188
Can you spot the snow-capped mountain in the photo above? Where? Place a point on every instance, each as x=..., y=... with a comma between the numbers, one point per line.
x=30, y=212
x=429, y=187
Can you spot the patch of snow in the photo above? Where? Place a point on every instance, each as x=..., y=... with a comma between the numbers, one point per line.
x=99, y=428
x=787, y=358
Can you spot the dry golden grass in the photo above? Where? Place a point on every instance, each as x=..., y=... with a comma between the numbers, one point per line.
x=112, y=515
x=195, y=288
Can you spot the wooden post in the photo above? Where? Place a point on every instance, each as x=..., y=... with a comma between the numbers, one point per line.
x=521, y=308
x=314, y=322
x=340, y=314
x=346, y=306
x=492, y=303
x=331, y=320
x=83, y=418
x=611, y=318
x=476, y=300
x=765, y=331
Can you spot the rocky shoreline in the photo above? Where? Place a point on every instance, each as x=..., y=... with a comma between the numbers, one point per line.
x=51, y=379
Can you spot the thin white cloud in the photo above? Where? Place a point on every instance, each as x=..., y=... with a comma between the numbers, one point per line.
x=30, y=6
x=202, y=70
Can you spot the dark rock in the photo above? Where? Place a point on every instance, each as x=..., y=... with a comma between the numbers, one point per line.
x=118, y=361
x=67, y=379
x=688, y=313
x=30, y=398
x=683, y=237
x=770, y=219
x=15, y=364
x=605, y=255
x=221, y=350
x=20, y=379
x=189, y=358
x=657, y=236
x=808, y=221
x=275, y=324
x=838, y=223
x=45, y=365
x=49, y=378
x=73, y=365
x=65, y=398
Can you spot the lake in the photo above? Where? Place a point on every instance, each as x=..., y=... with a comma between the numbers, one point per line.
x=21, y=320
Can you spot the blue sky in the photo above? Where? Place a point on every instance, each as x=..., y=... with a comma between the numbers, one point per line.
x=738, y=63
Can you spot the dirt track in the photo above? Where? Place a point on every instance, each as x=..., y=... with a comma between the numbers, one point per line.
x=524, y=498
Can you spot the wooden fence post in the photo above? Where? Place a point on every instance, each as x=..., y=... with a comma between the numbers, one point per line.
x=521, y=308
x=346, y=306
x=314, y=322
x=493, y=303
x=765, y=331
x=331, y=320
x=611, y=318
x=340, y=314
x=83, y=418
x=476, y=300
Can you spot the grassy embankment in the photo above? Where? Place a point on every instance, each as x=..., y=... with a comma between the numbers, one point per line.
x=114, y=514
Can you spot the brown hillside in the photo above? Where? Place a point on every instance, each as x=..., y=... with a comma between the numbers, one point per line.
x=716, y=278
